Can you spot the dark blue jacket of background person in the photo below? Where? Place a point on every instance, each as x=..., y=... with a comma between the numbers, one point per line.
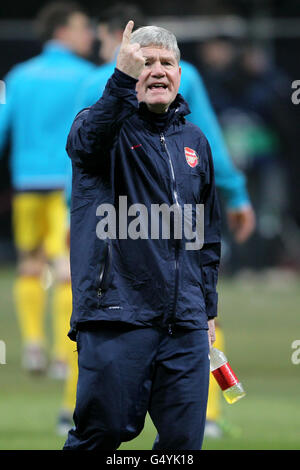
x=119, y=148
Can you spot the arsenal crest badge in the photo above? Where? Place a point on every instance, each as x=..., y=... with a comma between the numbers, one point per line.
x=191, y=157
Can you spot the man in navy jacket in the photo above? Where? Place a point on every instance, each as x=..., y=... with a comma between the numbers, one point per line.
x=144, y=297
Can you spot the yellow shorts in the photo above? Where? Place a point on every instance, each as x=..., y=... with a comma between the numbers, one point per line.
x=40, y=220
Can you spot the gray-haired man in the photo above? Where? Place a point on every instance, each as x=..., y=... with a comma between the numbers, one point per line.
x=141, y=307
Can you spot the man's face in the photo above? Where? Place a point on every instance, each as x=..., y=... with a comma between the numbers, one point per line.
x=159, y=81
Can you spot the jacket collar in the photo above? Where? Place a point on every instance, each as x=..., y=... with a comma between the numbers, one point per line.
x=181, y=105
x=176, y=112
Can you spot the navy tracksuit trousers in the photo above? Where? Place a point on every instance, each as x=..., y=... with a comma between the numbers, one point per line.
x=126, y=371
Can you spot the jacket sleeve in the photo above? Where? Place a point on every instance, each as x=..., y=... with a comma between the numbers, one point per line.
x=94, y=128
x=229, y=179
x=211, y=250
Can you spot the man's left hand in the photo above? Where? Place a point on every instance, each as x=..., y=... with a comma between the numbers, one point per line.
x=211, y=332
x=241, y=222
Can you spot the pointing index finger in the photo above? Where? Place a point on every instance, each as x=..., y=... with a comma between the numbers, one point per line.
x=127, y=32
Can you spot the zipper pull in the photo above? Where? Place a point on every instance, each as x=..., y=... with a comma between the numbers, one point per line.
x=99, y=292
x=162, y=139
x=170, y=331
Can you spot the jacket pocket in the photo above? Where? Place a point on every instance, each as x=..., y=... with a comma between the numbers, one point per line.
x=104, y=276
x=79, y=203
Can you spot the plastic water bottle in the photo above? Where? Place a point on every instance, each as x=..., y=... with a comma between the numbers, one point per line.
x=224, y=375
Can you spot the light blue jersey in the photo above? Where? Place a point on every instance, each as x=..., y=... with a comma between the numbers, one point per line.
x=93, y=87
x=229, y=180
x=38, y=115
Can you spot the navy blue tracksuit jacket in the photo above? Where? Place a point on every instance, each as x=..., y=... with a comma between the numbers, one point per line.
x=140, y=304
x=118, y=150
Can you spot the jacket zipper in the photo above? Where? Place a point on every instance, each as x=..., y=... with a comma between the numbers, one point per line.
x=171, y=319
x=105, y=271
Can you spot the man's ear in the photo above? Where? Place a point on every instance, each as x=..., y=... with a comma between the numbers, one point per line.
x=179, y=74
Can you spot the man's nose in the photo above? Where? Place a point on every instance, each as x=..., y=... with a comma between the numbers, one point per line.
x=157, y=70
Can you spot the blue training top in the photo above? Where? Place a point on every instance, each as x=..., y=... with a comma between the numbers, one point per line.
x=38, y=114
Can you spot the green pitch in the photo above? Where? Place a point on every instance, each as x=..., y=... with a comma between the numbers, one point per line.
x=260, y=318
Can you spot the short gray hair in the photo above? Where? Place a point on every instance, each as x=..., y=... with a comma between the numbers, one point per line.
x=156, y=36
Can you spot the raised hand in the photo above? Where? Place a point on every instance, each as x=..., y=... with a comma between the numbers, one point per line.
x=130, y=59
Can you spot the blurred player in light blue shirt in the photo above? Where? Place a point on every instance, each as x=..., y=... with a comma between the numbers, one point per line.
x=39, y=109
x=37, y=116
